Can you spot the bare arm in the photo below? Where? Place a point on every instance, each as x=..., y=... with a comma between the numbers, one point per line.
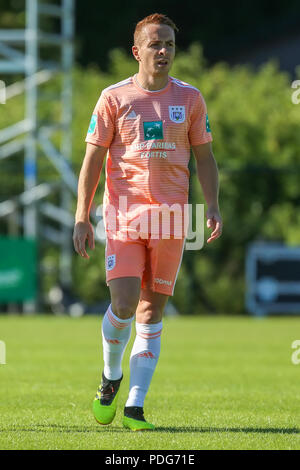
x=87, y=185
x=207, y=173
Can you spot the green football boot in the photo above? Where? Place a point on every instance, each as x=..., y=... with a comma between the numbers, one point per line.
x=105, y=402
x=134, y=419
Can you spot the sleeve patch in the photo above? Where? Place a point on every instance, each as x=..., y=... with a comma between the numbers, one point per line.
x=93, y=123
x=207, y=124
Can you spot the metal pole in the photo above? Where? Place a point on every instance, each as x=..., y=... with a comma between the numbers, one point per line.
x=13, y=231
x=30, y=170
x=66, y=142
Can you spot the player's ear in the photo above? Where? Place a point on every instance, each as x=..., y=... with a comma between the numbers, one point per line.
x=135, y=52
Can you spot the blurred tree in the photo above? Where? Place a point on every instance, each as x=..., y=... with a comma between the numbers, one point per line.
x=255, y=127
x=12, y=14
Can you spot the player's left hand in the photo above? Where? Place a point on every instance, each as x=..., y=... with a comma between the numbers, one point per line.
x=214, y=222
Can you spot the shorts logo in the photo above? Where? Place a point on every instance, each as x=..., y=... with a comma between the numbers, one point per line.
x=162, y=281
x=110, y=262
x=92, y=124
x=177, y=113
x=153, y=130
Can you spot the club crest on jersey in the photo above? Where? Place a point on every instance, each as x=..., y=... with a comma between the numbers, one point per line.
x=177, y=113
x=110, y=262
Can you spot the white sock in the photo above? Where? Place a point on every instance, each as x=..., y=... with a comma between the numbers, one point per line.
x=143, y=360
x=115, y=337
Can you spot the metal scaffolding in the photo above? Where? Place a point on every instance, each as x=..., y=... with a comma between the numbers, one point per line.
x=31, y=134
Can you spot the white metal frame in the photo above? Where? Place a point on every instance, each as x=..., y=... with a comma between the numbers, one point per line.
x=30, y=133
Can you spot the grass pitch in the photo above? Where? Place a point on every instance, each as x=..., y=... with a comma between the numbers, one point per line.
x=220, y=383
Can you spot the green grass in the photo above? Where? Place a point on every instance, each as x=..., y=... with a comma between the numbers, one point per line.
x=221, y=383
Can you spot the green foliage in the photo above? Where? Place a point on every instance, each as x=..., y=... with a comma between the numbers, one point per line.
x=255, y=127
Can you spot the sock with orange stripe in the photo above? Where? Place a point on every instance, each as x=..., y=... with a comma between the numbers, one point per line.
x=143, y=360
x=115, y=337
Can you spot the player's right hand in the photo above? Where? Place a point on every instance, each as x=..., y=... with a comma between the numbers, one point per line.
x=83, y=231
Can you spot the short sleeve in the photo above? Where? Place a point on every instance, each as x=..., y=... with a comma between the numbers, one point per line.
x=199, y=131
x=101, y=128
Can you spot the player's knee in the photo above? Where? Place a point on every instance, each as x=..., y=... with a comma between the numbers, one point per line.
x=150, y=314
x=123, y=309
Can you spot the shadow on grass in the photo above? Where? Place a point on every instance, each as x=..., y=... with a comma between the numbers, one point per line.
x=42, y=428
x=238, y=429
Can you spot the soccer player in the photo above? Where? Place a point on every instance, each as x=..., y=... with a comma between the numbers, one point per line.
x=147, y=123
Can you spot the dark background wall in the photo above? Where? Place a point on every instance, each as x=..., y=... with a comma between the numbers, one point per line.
x=236, y=31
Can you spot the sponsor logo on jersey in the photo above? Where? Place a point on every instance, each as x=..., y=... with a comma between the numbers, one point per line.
x=153, y=130
x=177, y=114
x=154, y=155
x=110, y=262
x=207, y=124
x=153, y=146
x=92, y=124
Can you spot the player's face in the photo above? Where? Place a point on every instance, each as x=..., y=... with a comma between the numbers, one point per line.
x=156, y=49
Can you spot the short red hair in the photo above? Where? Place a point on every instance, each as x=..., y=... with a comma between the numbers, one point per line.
x=155, y=18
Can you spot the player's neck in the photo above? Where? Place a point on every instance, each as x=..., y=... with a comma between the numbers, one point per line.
x=152, y=83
